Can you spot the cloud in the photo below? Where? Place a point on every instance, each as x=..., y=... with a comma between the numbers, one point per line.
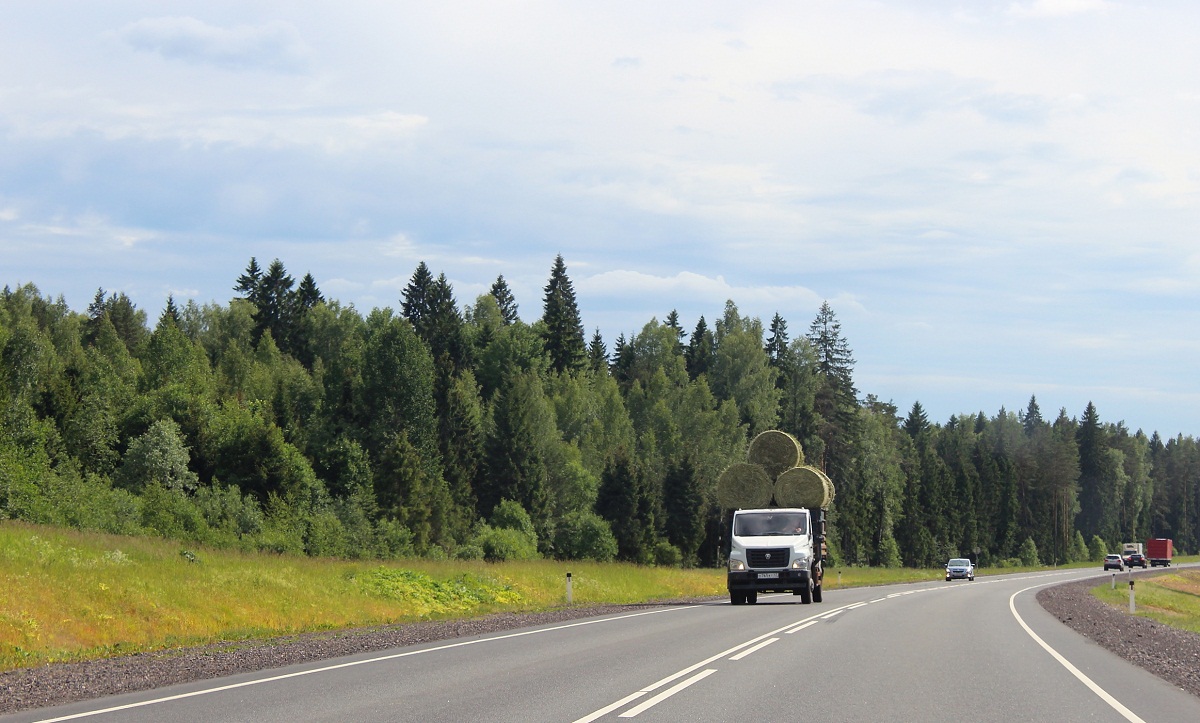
x=909, y=96
x=275, y=46
x=46, y=118
x=1056, y=8
x=94, y=228
x=691, y=286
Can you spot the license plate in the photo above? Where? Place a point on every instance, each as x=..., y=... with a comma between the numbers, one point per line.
x=768, y=576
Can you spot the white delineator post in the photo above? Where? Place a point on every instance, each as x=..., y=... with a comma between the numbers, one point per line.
x=1132, y=606
x=568, y=588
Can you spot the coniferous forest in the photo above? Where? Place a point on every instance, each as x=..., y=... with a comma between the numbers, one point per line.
x=288, y=422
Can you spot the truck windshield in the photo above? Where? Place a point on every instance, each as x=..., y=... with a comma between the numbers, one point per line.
x=770, y=523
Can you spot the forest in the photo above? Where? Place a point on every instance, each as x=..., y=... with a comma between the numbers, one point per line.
x=285, y=421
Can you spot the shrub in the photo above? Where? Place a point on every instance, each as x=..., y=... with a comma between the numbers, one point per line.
x=1097, y=549
x=667, y=555
x=395, y=540
x=501, y=543
x=512, y=516
x=468, y=552
x=583, y=535
x=1028, y=553
x=169, y=513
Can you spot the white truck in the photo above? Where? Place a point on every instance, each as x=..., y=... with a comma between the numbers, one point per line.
x=776, y=549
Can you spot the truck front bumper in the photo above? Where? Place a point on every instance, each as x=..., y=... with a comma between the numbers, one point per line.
x=767, y=580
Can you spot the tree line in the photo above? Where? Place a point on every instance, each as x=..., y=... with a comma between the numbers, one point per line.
x=289, y=422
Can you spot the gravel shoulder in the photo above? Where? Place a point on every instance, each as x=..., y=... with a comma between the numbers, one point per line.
x=1171, y=654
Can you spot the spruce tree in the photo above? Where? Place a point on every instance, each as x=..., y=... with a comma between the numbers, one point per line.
x=680, y=334
x=505, y=300
x=563, y=333
x=415, y=303
x=700, y=350
x=598, y=354
x=836, y=402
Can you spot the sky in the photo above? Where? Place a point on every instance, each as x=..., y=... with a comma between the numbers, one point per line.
x=999, y=200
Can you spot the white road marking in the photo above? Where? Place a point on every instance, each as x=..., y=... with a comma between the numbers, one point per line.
x=1104, y=695
x=755, y=649
x=610, y=708
x=666, y=694
x=351, y=664
x=798, y=628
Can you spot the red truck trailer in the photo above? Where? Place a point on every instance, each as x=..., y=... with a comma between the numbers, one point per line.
x=1159, y=551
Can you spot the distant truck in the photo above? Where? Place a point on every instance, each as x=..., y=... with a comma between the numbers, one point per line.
x=776, y=549
x=1160, y=550
x=1129, y=547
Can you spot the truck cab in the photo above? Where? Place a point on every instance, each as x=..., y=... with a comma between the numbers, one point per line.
x=778, y=549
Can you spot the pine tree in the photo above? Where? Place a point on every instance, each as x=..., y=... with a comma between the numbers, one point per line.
x=416, y=302
x=563, y=334
x=620, y=502
x=700, y=350
x=836, y=402
x=777, y=343
x=917, y=422
x=308, y=295
x=171, y=312
x=598, y=354
x=683, y=506
x=505, y=300
x=622, y=361
x=1090, y=438
x=248, y=282
x=673, y=323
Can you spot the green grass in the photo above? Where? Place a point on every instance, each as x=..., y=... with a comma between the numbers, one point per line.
x=1172, y=599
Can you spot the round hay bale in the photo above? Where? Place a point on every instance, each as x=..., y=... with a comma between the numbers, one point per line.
x=775, y=451
x=804, y=487
x=744, y=485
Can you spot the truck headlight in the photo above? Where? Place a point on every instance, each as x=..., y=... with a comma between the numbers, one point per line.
x=736, y=565
x=800, y=563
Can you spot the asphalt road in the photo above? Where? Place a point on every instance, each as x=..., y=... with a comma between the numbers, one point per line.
x=976, y=651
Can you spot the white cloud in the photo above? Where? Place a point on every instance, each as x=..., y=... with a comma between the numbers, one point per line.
x=1057, y=8
x=691, y=286
x=274, y=46
x=93, y=228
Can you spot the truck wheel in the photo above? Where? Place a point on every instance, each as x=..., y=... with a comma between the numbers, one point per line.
x=736, y=598
x=752, y=597
x=806, y=594
x=816, y=594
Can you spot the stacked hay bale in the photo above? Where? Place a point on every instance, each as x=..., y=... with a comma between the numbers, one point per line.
x=774, y=474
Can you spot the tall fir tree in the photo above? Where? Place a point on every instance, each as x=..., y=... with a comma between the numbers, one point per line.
x=505, y=300
x=563, y=333
x=701, y=350
x=597, y=354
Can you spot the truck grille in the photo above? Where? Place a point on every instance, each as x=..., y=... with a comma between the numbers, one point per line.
x=768, y=557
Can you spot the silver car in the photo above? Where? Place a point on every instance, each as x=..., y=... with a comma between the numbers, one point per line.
x=960, y=568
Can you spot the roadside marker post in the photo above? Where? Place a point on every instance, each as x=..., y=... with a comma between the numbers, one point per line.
x=1132, y=606
x=568, y=588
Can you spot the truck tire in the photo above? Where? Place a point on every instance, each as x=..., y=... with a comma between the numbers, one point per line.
x=737, y=598
x=806, y=594
x=752, y=597
x=816, y=593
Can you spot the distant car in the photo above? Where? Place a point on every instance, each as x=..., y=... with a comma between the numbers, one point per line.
x=960, y=568
x=1135, y=559
x=1113, y=562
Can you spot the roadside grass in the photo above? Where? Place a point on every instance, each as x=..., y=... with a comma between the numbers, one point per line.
x=69, y=595
x=1172, y=599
